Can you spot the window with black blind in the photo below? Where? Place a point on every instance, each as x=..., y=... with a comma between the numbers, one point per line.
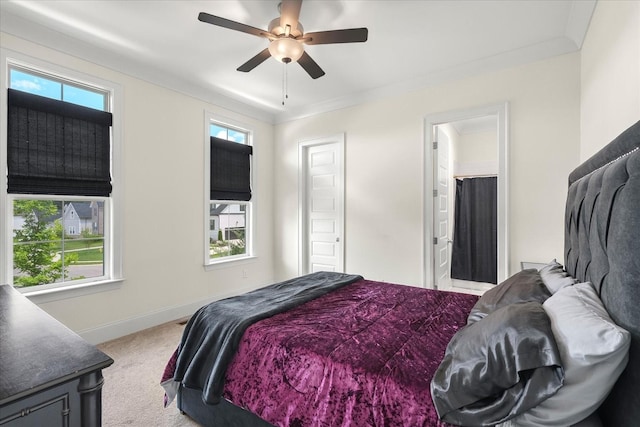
x=230, y=194
x=58, y=147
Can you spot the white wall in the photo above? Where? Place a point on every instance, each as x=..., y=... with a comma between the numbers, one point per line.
x=478, y=147
x=477, y=154
x=384, y=168
x=163, y=185
x=610, y=74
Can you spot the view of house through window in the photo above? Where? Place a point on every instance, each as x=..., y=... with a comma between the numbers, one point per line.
x=57, y=239
x=228, y=219
x=227, y=233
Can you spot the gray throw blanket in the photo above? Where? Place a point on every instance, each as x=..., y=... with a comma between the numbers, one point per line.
x=213, y=333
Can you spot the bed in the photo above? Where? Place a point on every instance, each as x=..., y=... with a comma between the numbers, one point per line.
x=555, y=346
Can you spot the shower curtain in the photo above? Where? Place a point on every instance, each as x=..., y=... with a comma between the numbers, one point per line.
x=474, y=254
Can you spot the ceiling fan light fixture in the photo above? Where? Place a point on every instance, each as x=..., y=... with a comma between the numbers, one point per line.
x=287, y=38
x=286, y=48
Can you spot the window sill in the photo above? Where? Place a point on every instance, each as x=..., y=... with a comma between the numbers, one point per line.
x=73, y=291
x=227, y=263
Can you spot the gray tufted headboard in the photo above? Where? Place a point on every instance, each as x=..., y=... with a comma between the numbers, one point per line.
x=602, y=245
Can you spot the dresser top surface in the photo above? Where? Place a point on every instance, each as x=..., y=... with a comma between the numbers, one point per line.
x=37, y=351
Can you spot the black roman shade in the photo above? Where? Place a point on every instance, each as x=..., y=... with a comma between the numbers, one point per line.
x=230, y=170
x=55, y=147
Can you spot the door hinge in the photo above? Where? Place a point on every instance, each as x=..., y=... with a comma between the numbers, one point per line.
x=435, y=145
x=435, y=193
x=435, y=240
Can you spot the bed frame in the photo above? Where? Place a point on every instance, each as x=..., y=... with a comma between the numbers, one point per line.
x=602, y=245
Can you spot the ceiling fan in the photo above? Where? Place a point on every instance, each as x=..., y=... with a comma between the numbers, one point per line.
x=287, y=38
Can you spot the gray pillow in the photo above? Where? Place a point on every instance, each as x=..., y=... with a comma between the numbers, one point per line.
x=498, y=368
x=524, y=286
x=594, y=352
x=555, y=278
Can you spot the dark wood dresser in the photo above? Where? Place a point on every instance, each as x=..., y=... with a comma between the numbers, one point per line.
x=49, y=376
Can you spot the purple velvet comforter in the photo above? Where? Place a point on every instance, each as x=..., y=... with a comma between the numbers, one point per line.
x=361, y=355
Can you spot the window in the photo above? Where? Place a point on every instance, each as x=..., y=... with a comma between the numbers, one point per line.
x=51, y=246
x=229, y=239
x=50, y=86
x=228, y=134
x=59, y=149
x=229, y=193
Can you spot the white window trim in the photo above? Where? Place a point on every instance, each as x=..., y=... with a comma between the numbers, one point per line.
x=115, y=275
x=210, y=264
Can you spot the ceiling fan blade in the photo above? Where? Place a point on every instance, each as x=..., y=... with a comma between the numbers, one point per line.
x=310, y=66
x=351, y=35
x=255, y=61
x=290, y=13
x=232, y=25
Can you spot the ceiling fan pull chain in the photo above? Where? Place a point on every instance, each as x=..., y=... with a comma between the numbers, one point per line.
x=284, y=74
x=285, y=88
x=286, y=80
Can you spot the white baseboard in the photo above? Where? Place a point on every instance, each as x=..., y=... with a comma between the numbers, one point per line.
x=121, y=328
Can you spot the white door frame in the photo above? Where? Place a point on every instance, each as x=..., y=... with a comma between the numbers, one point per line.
x=501, y=112
x=303, y=234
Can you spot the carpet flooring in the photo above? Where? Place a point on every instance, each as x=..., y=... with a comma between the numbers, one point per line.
x=132, y=395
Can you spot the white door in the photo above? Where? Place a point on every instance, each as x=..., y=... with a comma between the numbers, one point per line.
x=442, y=240
x=322, y=179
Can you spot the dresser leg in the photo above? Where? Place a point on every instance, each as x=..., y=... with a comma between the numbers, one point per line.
x=90, y=389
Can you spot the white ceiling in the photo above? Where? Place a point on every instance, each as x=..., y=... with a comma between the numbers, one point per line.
x=411, y=44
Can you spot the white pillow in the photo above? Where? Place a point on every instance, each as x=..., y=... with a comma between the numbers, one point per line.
x=594, y=351
x=555, y=278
